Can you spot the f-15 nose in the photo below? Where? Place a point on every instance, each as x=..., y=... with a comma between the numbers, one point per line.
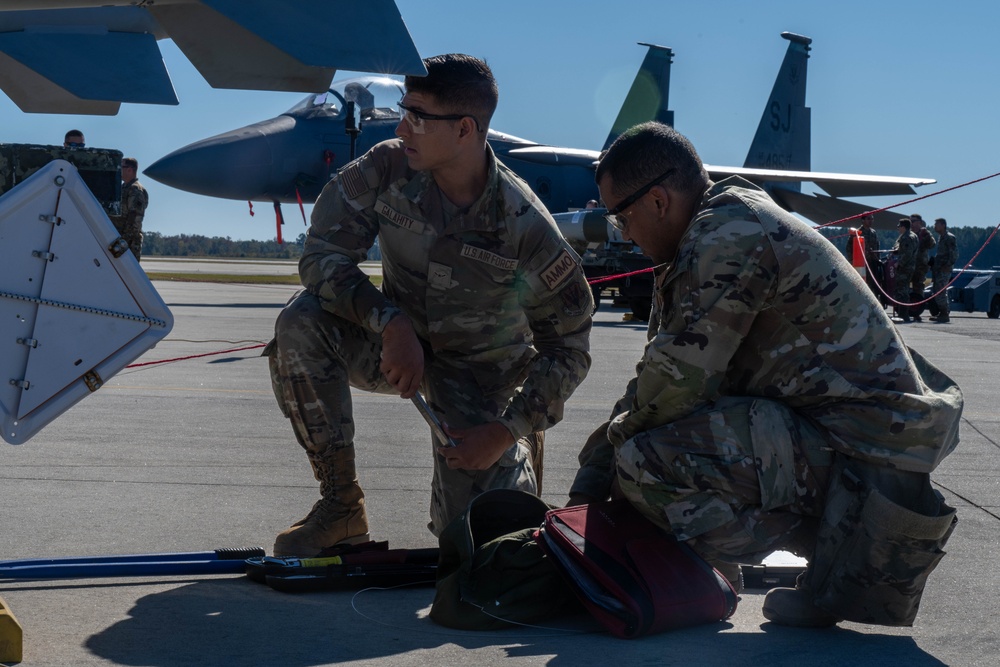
x=233, y=165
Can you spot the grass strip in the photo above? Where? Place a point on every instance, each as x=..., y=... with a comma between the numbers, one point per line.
x=251, y=279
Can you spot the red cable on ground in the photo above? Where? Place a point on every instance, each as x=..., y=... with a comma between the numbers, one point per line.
x=195, y=356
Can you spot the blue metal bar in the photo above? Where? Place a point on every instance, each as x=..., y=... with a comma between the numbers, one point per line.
x=122, y=569
x=218, y=554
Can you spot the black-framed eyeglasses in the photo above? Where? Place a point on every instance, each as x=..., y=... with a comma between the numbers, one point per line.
x=75, y=144
x=615, y=217
x=416, y=118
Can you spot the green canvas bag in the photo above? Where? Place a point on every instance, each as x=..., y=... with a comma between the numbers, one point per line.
x=492, y=573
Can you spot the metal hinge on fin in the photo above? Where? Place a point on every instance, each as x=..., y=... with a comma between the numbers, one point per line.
x=92, y=380
x=54, y=219
x=23, y=384
x=43, y=254
x=118, y=247
x=30, y=342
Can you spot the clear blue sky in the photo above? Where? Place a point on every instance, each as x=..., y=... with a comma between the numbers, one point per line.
x=896, y=88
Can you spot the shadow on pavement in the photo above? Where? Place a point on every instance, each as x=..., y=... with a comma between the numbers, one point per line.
x=250, y=624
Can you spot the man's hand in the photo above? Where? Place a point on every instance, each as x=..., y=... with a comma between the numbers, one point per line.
x=478, y=447
x=402, y=356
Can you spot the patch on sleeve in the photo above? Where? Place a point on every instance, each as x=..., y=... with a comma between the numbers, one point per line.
x=559, y=271
x=439, y=276
x=575, y=300
x=353, y=181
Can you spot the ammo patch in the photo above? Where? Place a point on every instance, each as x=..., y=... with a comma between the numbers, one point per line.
x=397, y=218
x=487, y=257
x=559, y=271
x=353, y=179
x=438, y=275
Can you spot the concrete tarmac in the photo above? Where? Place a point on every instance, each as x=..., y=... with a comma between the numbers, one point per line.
x=194, y=455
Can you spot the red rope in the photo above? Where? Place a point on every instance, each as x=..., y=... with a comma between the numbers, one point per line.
x=848, y=219
x=195, y=356
x=909, y=201
x=943, y=289
x=604, y=279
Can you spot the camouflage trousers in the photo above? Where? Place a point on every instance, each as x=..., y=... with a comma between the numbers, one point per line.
x=901, y=292
x=941, y=278
x=736, y=482
x=318, y=357
x=918, y=279
x=130, y=229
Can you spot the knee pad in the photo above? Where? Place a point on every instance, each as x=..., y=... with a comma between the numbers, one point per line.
x=873, y=554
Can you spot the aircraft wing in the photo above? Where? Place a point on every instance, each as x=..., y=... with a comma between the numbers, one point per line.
x=837, y=185
x=822, y=209
x=553, y=155
x=80, y=56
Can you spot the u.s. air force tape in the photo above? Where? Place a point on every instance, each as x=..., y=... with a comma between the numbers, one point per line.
x=487, y=257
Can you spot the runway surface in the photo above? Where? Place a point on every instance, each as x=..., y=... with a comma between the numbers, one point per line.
x=194, y=455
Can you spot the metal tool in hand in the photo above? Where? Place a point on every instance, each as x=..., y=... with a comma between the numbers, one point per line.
x=432, y=420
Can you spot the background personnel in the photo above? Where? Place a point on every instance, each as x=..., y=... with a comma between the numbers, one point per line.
x=906, y=258
x=944, y=262
x=135, y=199
x=925, y=243
x=74, y=139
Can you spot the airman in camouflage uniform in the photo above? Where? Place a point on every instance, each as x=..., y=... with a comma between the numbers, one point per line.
x=906, y=257
x=482, y=300
x=771, y=376
x=870, y=236
x=925, y=243
x=944, y=262
x=135, y=199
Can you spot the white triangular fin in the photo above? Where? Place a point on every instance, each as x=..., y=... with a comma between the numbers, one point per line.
x=71, y=313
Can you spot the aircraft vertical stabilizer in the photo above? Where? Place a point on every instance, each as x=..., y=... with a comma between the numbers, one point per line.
x=783, y=135
x=648, y=98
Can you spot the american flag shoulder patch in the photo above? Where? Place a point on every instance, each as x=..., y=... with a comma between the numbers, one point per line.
x=353, y=180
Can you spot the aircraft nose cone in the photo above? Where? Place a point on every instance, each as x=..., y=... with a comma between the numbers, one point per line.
x=233, y=165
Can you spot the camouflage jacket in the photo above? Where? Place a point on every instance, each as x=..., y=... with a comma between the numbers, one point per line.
x=906, y=253
x=135, y=199
x=494, y=289
x=870, y=235
x=926, y=243
x=947, y=253
x=756, y=303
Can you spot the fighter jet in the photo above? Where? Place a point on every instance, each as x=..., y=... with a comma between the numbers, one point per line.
x=89, y=56
x=289, y=158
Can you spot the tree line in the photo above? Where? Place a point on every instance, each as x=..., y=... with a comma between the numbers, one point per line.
x=194, y=245
x=970, y=240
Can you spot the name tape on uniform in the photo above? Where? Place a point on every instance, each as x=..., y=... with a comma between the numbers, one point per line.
x=397, y=218
x=487, y=257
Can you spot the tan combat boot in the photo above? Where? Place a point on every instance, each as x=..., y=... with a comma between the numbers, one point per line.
x=337, y=518
x=794, y=607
